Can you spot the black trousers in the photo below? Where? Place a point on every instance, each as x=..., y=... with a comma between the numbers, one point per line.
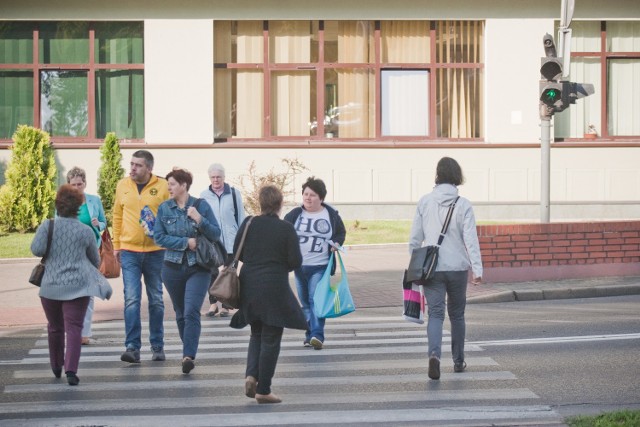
x=262, y=358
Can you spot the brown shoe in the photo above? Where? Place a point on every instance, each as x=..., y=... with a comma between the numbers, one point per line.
x=267, y=398
x=250, y=384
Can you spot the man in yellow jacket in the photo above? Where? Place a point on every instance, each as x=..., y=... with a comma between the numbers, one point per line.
x=134, y=210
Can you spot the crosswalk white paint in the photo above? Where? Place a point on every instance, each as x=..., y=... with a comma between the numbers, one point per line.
x=372, y=370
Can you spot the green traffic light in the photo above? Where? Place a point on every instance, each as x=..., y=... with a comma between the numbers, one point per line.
x=550, y=96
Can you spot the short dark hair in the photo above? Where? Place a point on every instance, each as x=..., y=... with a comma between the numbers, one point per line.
x=448, y=171
x=317, y=185
x=68, y=201
x=182, y=176
x=147, y=156
x=270, y=198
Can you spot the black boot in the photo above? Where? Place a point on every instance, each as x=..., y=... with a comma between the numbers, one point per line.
x=72, y=378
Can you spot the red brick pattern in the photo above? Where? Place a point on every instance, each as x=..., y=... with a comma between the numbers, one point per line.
x=559, y=244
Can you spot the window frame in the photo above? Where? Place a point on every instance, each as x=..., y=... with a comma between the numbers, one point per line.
x=604, y=56
x=375, y=67
x=90, y=68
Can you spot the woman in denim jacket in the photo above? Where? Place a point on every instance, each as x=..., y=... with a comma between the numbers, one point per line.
x=177, y=224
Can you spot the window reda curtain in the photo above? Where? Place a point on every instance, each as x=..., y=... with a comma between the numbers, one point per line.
x=459, y=90
x=623, y=84
x=356, y=87
x=290, y=90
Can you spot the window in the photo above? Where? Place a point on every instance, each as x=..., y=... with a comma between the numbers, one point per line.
x=607, y=55
x=348, y=79
x=87, y=79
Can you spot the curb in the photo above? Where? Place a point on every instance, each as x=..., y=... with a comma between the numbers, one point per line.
x=551, y=294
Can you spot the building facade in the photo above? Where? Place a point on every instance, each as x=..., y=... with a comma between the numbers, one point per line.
x=367, y=94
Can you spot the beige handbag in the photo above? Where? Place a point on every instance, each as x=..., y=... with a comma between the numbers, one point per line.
x=226, y=287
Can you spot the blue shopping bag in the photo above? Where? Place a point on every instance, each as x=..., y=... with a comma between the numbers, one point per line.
x=333, y=300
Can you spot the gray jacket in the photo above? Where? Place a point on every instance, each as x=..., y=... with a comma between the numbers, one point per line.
x=460, y=248
x=223, y=210
x=71, y=270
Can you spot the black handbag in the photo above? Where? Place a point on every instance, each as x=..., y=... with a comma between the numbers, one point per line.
x=38, y=271
x=425, y=259
x=209, y=254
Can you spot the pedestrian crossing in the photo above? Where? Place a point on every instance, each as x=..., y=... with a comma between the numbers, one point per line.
x=373, y=370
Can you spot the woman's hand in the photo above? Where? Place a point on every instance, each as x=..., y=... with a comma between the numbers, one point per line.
x=192, y=243
x=95, y=222
x=194, y=214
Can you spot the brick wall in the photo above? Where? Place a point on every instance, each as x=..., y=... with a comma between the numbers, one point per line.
x=523, y=252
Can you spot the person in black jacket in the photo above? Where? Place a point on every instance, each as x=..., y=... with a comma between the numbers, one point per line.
x=316, y=223
x=267, y=303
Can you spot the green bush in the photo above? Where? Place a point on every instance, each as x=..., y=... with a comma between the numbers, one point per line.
x=110, y=172
x=28, y=196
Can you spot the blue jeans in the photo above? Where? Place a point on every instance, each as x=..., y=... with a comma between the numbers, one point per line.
x=307, y=278
x=454, y=285
x=187, y=287
x=135, y=265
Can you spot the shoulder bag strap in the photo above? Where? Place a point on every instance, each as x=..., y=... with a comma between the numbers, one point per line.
x=49, y=237
x=235, y=204
x=244, y=235
x=447, y=220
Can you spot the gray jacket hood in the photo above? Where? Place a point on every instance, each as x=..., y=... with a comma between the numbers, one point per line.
x=460, y=249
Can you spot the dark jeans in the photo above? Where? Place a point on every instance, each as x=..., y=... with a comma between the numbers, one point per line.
x=264, y=349
x=447, y=289
x=187, y=287
x=65, y=317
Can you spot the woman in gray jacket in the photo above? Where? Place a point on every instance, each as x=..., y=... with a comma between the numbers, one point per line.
x=459, y=252
x=71, y=277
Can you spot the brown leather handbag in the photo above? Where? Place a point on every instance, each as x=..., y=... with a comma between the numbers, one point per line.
x=109, y=264
x=226, y=287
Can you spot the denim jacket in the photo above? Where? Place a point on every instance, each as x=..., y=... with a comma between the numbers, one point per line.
x=173, y=228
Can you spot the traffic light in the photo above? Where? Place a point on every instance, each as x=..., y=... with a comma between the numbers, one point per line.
x=555, y=94
x=551, y=71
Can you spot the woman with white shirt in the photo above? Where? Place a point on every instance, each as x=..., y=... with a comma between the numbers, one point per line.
x=316, y=223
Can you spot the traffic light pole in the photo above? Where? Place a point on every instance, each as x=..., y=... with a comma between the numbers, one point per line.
x=545, y=165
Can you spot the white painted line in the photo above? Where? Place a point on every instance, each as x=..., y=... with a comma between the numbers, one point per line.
x=234, y=401
x=418, y=365
x=453, y=413
x=556, y=340
x=188, y=382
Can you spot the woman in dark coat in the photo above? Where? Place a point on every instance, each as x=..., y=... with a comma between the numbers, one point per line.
x=270, y=252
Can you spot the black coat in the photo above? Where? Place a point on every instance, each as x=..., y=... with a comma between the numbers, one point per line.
x=270, y=252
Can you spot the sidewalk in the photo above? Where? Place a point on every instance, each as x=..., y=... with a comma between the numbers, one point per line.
x=375, y=272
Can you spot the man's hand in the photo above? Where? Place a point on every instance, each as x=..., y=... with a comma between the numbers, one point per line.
x=476, y=281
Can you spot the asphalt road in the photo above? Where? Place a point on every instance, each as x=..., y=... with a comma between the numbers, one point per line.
x=530, y=363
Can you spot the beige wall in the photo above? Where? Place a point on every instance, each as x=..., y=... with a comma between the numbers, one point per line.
x=503, y=183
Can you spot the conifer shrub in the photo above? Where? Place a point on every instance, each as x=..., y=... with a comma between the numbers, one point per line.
x=28, y=195
x=110, y=172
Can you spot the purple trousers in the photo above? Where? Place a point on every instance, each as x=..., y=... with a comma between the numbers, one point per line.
x=65, y=317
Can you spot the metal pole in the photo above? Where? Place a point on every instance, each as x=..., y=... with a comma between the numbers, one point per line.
x=545, y=168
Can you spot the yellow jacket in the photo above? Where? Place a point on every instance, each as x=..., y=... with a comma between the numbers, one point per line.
x=128, y=232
